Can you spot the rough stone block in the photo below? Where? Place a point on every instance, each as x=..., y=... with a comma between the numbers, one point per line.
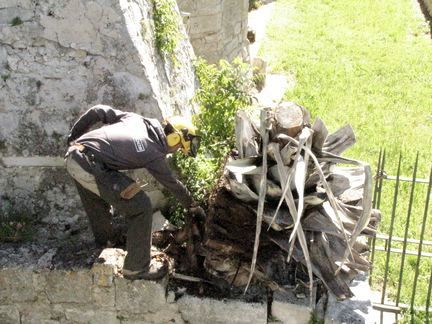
x=104, y=272
x=9, y=315
x=287, y=308
x=40, y=282
x=187, y=5
x=7, y=15
x=16, y=3
x=91, y=315
x=207, y=310
x=208, y=7
x=69, y=286
x=40, y=312
x=16, y=285
x=167, y=314
x=205, y=24
x=140, y=296
x=103, y=297
x=101, y=276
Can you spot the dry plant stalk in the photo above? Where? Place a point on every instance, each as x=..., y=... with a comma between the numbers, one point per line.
x=287, y=175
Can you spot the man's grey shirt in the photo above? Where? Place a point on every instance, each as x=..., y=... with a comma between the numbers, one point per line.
x=128, y=141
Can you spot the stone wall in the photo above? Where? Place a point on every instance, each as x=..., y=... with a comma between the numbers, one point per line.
x=217, y=28
x=428, y=4
x=100, y=295
x=57, y=59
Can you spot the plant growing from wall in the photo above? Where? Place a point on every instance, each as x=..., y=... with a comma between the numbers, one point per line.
x=16, y=21
x=15, y=222
x=254, y=4
x=224, y=89
x=167, y=22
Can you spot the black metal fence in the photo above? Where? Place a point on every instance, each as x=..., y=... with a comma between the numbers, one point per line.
x=403, y=257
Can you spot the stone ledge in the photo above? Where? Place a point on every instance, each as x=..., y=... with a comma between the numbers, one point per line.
x=358, y=309
x=287, y=308
x=101, y=295
x=207, y=310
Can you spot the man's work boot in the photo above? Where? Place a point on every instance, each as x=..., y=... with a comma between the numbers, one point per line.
x=157, y=270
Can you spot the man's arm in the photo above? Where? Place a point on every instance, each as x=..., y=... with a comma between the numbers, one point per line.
x=161, y=172
x=99, y=113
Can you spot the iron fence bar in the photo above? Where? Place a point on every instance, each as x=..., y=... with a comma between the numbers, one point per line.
x=400, y=251
x=376, y=204
x=381, y=236
x=387, y=308
x=383, y=175
x=381, y=181
x=428, y=298
x=393, y=216
x=408, y=218
x=421, y=243
x=376, y=178
x=392, y=308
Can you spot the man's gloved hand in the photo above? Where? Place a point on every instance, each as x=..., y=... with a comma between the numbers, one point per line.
x=70, y=139
x=197, y=211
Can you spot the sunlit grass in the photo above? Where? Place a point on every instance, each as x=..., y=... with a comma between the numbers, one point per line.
x=368, y=64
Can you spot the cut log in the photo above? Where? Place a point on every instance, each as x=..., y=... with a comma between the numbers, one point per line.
x=289, y=119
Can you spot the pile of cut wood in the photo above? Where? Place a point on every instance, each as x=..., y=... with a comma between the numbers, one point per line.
x=289, y=207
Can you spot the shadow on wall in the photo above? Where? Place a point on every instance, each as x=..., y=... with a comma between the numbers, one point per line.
x=426, y=8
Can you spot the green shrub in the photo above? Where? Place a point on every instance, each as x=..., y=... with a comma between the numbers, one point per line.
x=199, y=175
x=224, y=89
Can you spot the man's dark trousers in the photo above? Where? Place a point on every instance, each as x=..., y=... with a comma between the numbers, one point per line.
x=137, y=211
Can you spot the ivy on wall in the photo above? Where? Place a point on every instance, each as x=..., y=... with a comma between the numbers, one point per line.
x=167, y=21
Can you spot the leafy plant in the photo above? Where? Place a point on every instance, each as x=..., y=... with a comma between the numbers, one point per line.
x=167, y=22
x=16, y=223
x=199, y=175
x=16, y=21
x=259, y=80
x=224, y=89
x=254, y=4
x=15, y=228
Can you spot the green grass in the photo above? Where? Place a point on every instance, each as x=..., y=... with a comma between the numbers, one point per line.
x=368, y=64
